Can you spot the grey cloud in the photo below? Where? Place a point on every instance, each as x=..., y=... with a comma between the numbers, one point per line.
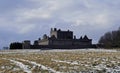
x=32, y=18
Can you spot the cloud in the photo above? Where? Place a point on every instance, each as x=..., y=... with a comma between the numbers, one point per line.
x=25, y=17
x=77, y=12
x=26, y=29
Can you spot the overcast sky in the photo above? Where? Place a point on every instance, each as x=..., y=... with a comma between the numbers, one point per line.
x=30, y=19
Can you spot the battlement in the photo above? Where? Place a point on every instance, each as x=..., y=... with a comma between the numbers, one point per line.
x=59, y=34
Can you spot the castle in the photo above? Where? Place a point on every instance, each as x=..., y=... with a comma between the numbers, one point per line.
x=59, y=39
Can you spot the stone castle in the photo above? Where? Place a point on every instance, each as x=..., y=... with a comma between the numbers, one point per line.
x=59, y=39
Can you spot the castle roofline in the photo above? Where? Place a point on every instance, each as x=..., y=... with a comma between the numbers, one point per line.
x=59, y=30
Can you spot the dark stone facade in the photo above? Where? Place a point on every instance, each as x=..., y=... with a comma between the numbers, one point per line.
x=60, y=40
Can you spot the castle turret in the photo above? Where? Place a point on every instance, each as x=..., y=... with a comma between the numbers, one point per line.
x=45, y=36
x=36, y=42
x=85, y=37
x=55, y=29
x=74, y=37
x=81, y=38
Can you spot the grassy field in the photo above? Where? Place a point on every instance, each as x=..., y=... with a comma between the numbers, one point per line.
x=60, y=61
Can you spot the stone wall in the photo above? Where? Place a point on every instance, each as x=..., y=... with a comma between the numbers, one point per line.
x=26, y=44
x=43, y=42
x=60, y=42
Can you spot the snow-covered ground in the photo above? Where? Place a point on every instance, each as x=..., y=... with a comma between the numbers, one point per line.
x=22, y=66
x=60, y=61
x=55, y=50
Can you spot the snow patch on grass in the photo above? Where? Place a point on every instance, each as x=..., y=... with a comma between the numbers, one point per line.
x=20, y=51
x=21, y=65
x=68, y=62
x=41, y=66
x=103, y=68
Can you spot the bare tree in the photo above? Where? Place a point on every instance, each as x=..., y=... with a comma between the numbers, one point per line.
x=111, y=39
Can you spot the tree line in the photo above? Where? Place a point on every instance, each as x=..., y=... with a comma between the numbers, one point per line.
x=16, y=45
x=111, y=39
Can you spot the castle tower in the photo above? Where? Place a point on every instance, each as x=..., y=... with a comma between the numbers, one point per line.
x=26, y=44
x=53, y=32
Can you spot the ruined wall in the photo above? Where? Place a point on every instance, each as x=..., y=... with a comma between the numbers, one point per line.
x=60, y=42
x=43, y=42
x=65, y=35
x=53, y=32
x=82, y=42
x=61, y=34
x=69, y=42
x=26, y=44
